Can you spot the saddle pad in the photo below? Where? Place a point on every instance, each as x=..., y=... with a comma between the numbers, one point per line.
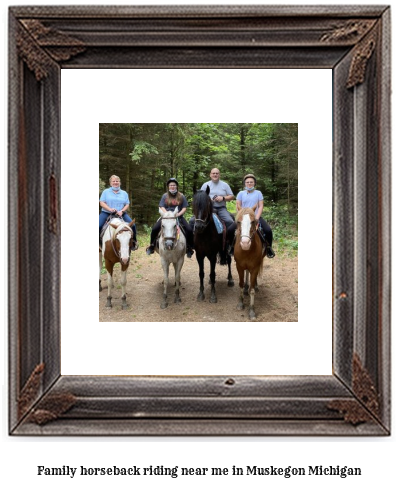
x=218, y=224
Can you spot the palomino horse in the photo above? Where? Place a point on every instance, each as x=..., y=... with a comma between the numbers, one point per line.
x=172, y=248
x=117, y=242
x=208, y=242
x=249, y=254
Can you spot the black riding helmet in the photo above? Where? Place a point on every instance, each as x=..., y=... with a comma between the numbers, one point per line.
x=248, y=176
x=172, y=179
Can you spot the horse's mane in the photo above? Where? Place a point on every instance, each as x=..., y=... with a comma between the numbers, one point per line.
x=202, y=201
x=245, y=211
x=121, y=224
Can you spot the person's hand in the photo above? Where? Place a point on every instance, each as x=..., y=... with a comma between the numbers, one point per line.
x=119, y=213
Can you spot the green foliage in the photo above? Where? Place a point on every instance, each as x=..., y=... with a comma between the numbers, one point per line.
x=146, y=155
x=285, y=229
x=140, y=149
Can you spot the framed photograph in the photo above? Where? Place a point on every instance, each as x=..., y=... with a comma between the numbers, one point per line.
x=353, y=43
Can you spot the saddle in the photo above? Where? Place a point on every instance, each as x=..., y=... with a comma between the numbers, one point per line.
x=221, y=229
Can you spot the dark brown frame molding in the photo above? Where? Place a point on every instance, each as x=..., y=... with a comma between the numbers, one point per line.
x=352, y=41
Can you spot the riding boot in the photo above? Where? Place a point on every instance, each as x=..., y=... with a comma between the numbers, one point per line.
x=230, y=246
x=269, y=252
x=135, y=245
x=150, y=249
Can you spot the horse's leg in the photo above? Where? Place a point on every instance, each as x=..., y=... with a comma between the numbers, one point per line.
x=110, y=267
x=230, y=281
x=240, y=271
x=101, y=267
x=252, y=314
x=200, y=261
x=212, y=277
x=256, y=285
x=123, y=285
x=178, y=265
x=246, y=286
x=165, y=266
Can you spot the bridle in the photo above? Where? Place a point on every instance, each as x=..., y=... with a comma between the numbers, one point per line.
x=253, y=233
x=175, y=238
x=206, y=222
x=122, y=228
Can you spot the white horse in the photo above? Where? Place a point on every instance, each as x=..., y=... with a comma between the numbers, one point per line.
x=116, y=246
x=172, y=248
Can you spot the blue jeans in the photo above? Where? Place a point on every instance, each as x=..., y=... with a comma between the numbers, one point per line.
x=104, y=216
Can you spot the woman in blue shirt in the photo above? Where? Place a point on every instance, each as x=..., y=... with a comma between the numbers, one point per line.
x=248, y=198
x=114, y=200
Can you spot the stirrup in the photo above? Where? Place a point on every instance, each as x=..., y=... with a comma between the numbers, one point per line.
x=190, y=253
x=269, y=252
x=135, y=246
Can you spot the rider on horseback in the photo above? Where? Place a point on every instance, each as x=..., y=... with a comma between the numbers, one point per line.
x=114, y=202
x=168, y=202
x=248, y=198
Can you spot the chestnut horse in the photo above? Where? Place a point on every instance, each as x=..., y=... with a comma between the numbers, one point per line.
x=208, y=242
x=116, y=246
x=249, y=254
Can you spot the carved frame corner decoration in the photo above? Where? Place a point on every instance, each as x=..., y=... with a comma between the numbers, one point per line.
x=352, y=41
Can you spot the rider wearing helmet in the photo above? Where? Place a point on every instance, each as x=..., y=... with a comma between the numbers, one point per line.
x=247, y=198
x=169, y=201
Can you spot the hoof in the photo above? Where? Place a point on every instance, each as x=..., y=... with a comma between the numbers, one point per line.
x=177, y=300
x=252, y=315
x=200, y=297
x=164, y=305
x=230, y=283
x=108, y=306
x=124, y=307
x=213, y=300
x=246, y=292
x=257, y=289
x=240, y=306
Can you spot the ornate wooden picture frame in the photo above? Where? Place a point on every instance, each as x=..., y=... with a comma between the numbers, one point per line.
x=352, y=41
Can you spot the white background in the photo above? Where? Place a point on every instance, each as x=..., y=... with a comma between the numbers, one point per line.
x=376, y=456
x=293, y=348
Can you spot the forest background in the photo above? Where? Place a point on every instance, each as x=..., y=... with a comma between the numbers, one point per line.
x=146, y=155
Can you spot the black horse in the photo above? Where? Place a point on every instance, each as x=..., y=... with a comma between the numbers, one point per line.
x=208, y=242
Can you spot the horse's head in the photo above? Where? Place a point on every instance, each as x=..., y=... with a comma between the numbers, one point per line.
x=169, y=228
x=123, y=239
x=202, y=209
x=246, y=226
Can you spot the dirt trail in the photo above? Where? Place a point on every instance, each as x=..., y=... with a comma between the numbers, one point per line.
x=277, y=300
